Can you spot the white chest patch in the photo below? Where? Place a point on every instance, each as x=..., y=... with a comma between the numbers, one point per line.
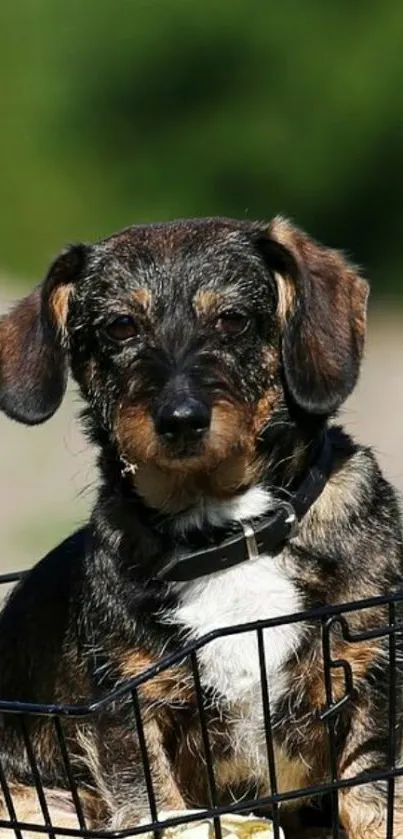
x=259, y=589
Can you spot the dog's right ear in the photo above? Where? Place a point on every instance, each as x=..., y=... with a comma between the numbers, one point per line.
x=322, y=303
x=33, y=347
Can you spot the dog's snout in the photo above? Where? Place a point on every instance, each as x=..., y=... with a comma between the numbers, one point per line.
x=185, y=418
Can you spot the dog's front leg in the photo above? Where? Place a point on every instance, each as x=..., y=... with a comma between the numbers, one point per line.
x=166, y=791
x=114, y=758
x=364, y=808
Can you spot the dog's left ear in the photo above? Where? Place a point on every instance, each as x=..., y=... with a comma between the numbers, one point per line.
x=322, y=304
x=33, y=351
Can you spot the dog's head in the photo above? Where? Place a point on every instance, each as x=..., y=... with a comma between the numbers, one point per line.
x=189, y=341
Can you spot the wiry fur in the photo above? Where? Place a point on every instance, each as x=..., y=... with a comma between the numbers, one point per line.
x=93, y=614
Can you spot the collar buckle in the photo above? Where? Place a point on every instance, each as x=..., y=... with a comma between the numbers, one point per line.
x=290, y=519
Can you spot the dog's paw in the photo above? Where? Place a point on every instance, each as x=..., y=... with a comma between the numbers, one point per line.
x=232, y=827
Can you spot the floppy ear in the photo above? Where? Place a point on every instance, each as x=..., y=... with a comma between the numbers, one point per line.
x=322, y=304
x=33, y=352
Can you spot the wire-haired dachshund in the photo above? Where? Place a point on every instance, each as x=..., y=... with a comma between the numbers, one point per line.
x=211, y=355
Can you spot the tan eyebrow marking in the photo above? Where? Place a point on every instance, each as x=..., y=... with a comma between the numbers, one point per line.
x=59, y=303
x=207, y=301
x=143, y=298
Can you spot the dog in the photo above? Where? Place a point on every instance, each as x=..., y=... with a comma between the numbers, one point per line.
x=211, y=355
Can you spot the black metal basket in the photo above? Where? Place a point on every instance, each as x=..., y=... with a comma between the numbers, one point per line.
x=327, y=617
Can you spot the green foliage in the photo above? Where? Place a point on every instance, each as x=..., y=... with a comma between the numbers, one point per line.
x=121, y=111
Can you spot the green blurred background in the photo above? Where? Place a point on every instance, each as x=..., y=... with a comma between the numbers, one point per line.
x=116, y=111
x=122, y=111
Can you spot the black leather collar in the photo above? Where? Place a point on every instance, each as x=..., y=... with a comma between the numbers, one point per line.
x=266, y=535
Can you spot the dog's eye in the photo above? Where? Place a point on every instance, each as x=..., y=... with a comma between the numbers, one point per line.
x=232, y=323
x=122, y=328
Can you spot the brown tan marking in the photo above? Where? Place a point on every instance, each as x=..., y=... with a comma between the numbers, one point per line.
x=143, y=298
x=165, y=490
x=291, y=774
x=263, y=411
x=226, y=461
x=359, y=656
x=136, y=434
x=164, y=782
x=172, y=685
x=59, y=304
x=286, y=297
x=208, y=302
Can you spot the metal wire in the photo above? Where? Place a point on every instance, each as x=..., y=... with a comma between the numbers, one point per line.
x=392, y=719
x=271, y=763
x=8, y=799
x=152, y=803
x=329, y=619
x=69, y=771
x=206, y=742
x=36, y=776
x=330, y=722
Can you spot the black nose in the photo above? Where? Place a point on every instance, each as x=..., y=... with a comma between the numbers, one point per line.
x=185, y=418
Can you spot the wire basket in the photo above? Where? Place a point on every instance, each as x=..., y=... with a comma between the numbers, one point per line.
x=328, y=618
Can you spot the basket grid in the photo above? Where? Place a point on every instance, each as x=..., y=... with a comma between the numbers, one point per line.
x=329, y=618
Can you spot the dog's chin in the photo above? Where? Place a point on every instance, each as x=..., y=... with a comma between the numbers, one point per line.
x=172, y=484
x=188, y=459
